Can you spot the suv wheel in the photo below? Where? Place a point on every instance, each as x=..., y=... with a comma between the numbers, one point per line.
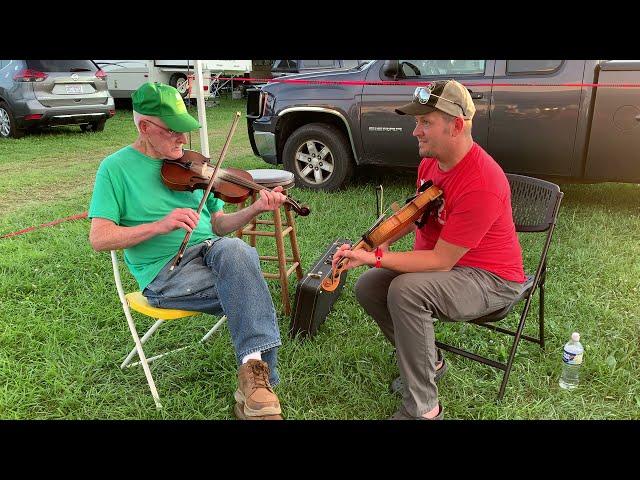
x=8, y=124
x=180, y=82
x=319, y=156
x=93, y=126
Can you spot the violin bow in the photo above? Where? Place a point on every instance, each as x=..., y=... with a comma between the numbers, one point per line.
x=183, y=247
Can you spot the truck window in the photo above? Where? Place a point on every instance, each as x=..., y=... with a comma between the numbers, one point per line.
x=351, y=63
x=309, y=64
x=532, y=66
x=445, y=68
x=285, y=65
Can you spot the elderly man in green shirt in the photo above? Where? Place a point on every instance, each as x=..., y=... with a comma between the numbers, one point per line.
x=132, y=209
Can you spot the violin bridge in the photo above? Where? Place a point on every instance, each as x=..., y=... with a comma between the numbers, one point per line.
x=395, y=207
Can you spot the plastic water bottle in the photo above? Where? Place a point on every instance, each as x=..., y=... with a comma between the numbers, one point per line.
x=571, y=362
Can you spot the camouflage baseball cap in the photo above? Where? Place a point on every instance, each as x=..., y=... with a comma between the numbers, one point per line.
x=448, y=96
x=164, y=101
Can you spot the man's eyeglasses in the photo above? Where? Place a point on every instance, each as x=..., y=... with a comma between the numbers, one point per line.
x=422, y=95
x=173, y=133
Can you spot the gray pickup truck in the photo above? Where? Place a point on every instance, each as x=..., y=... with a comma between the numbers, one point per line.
x=525, y=118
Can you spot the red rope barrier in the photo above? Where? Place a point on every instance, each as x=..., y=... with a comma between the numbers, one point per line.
x=49, y=224
x=423, y=83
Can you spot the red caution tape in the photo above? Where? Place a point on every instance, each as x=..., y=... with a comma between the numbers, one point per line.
x=49, y=224
x=423, y=83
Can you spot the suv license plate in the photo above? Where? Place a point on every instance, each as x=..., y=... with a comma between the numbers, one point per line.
x=74, y=89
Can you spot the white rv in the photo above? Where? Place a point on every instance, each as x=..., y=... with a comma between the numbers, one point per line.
x=125, y=76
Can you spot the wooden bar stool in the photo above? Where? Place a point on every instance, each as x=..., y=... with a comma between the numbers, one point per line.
x=272, y=178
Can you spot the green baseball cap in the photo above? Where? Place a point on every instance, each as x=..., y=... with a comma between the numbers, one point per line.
x=164, y=101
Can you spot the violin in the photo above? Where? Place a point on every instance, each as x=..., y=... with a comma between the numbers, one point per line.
x=232, y=185
x=385, y=229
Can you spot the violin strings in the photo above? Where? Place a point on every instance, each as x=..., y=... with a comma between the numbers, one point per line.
x=241, y=181
x=246, y=183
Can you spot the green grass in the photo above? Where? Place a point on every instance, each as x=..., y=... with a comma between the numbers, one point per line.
x=63, y=334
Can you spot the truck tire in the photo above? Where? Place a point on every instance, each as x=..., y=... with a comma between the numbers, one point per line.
x=179, y=82
x=8, y=126
x=319, y=156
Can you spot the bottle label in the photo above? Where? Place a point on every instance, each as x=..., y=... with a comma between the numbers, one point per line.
x=572, y=358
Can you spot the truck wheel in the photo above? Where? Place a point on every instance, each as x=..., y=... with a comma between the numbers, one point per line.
x=93, y=126
x=8, y=123
x=180, y=82
x=319, y=156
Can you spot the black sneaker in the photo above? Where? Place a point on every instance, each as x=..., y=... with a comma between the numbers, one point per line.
x=397, y=386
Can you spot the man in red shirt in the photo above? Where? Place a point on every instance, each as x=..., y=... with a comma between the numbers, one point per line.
x=466, y=261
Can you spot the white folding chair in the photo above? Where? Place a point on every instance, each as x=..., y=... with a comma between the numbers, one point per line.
x=137, y=302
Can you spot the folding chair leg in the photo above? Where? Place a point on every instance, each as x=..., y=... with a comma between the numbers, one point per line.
x=146, y=336
x=154, y=328
x=215, y=327
x=541, y=314
x=516, y=341
x=143, y=358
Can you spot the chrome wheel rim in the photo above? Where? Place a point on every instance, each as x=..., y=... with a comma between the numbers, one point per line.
x=5, y=123
x=314, y=162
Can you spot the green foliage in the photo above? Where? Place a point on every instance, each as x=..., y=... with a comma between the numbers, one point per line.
x=63, y=334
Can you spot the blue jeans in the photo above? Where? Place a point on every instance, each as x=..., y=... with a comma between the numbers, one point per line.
x=223, y=276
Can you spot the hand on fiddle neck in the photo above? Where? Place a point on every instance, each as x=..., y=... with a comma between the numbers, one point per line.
x=269, y=200
x=354, y=258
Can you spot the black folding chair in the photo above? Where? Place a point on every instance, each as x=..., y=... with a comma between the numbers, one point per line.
x=535, y=204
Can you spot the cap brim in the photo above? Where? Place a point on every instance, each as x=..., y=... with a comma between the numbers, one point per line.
x=415, y=109
x=181, y=123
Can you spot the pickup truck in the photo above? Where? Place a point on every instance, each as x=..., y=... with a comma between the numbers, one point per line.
x=535, y=117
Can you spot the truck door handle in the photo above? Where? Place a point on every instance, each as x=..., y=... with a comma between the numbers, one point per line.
x=476, y=95
x=638, y=117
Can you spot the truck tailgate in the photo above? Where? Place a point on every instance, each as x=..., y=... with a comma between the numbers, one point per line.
x=614, y=142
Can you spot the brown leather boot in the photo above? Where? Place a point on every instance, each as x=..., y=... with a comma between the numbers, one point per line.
x=238, y=409
x=254, y=390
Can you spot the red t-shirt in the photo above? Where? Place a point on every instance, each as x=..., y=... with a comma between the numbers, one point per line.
x=475, y=214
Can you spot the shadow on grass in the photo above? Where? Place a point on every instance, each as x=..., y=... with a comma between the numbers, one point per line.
x=602, y=196
x=55, y=131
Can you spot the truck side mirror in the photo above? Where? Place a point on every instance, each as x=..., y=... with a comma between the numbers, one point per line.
x=391, y=68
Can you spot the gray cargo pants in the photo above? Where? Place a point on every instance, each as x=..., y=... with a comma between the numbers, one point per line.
x=405, y=305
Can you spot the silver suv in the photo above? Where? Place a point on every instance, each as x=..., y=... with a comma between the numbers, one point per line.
x=37, y=93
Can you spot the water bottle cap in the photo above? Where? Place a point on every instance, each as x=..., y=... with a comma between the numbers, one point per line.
x=575, y=336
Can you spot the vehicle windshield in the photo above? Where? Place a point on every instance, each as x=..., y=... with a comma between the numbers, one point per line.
x=62, y=65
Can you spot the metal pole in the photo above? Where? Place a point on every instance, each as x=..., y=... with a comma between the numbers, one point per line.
x=153, y=76
x=202, y=117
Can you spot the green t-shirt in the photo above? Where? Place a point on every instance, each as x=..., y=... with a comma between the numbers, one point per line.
x=129, y=192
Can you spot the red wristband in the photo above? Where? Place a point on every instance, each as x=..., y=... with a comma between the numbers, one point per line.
x=378, y=257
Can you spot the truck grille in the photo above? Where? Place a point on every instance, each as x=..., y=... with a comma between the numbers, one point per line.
x=254, y=103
